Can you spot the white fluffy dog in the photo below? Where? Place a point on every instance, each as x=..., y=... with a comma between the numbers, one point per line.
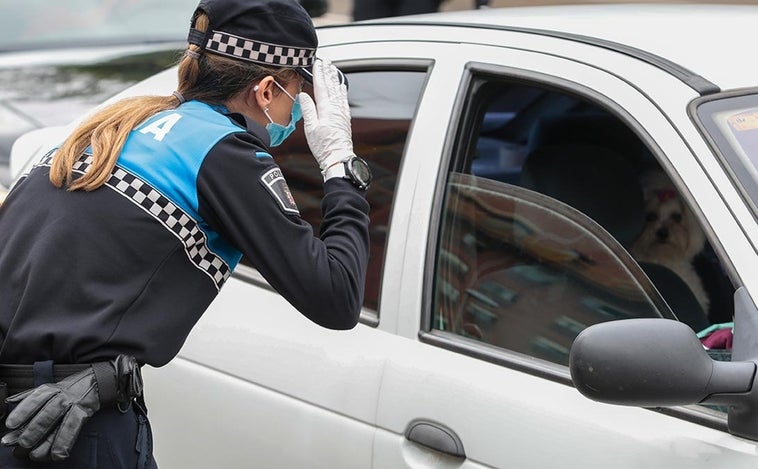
x=672, y=236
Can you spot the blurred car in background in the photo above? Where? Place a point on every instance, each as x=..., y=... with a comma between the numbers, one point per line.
x=507, y=147
x=59, y=59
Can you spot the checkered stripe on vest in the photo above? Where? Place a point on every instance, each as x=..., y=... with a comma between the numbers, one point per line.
x=260, y=52
x=167, y=213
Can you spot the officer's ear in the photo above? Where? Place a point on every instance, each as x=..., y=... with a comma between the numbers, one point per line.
x=262, y=93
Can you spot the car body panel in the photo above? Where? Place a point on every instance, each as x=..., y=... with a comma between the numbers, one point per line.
x=506, y=418
x=315, y=380
x=229, y=405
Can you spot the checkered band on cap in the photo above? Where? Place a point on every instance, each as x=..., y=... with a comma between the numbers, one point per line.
x=260, y=52
x=176, y=220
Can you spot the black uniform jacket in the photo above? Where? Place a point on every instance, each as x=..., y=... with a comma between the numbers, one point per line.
x=130, y=267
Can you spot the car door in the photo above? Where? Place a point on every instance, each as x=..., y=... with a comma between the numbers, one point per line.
x=257, y=380
x=478, y=383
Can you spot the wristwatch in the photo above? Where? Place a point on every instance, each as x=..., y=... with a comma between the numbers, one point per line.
x=354, y=169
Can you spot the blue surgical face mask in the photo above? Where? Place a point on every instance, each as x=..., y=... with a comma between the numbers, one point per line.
x=277, y=132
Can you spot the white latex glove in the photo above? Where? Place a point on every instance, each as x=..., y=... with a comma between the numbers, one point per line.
x=327, y=122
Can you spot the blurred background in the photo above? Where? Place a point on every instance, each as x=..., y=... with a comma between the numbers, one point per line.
x=341, y=10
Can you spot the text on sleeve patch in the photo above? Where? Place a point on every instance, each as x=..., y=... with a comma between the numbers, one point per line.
x=273, y=180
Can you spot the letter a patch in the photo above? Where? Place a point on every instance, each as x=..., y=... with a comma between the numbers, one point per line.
x=273, y=180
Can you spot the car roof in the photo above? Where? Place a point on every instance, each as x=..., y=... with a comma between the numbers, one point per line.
x=713, y=41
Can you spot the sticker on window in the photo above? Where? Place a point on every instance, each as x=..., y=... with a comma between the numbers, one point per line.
x=745, y=129
x=744, y=121
x=273, y=180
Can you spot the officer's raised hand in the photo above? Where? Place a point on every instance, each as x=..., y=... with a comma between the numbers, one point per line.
x=327, y=122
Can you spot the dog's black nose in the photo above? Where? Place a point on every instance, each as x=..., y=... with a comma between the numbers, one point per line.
x=662, y=233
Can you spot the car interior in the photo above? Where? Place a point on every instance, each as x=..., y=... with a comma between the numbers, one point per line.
x=577, y=153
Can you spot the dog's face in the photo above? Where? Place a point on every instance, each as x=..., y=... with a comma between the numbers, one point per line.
x=671, y=231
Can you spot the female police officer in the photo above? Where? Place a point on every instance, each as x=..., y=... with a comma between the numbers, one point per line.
x=113, y=246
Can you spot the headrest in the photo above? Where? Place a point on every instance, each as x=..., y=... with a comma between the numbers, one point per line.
x=593, y=179
x=594, y=128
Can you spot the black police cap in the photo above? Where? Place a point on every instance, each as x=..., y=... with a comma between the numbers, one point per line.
x=277, y=33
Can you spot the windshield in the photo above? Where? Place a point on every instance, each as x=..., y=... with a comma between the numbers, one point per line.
x=41, y=24
x=732, y=124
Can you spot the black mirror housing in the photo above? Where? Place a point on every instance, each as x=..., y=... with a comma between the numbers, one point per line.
x=661, y=362
x=651, y=362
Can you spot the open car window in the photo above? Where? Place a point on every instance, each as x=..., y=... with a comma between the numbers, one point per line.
x=553, y=218
x=522, y=271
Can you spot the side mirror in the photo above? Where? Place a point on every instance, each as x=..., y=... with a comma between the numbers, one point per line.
x=651, y=362
x=661, y=362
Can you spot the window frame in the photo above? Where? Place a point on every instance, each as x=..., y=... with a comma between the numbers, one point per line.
x=368, y=317
x=460, y=138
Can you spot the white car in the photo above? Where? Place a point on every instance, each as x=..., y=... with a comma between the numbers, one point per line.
x=508, y=148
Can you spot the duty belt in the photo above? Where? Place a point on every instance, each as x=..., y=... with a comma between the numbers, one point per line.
x=18, y=378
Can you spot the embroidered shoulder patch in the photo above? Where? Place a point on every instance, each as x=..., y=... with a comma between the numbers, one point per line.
x=273, y=180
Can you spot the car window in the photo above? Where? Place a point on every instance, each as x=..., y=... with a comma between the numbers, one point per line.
x=730, y=121
x=382, y=106
x=553, y=216
x=521, y=271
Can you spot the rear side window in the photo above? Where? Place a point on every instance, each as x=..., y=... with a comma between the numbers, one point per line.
x=382, y=106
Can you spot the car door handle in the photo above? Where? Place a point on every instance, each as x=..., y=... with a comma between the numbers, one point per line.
x=436, y=436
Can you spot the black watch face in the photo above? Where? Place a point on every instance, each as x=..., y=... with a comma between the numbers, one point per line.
x=360, y=170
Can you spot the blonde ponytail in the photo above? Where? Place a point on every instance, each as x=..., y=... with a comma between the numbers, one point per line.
x=107, y=130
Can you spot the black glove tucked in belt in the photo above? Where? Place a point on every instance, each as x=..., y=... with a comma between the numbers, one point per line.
x=47, y=420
